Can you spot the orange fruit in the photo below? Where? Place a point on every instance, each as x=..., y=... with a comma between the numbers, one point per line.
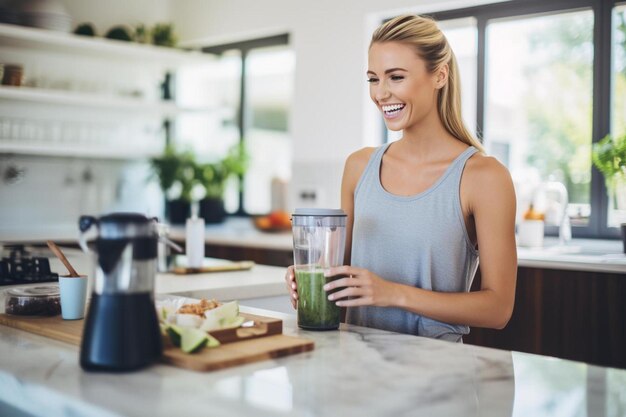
x=263, y=222
x=280, y=219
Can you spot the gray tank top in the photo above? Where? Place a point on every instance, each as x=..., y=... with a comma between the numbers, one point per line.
x=417, y=240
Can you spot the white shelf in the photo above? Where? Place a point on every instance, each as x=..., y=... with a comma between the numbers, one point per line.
x=73, y=98
x=59, y=42
x=27, y=102
x=84, y=151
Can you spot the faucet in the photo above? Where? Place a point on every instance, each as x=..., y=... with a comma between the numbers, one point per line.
x=565, y=228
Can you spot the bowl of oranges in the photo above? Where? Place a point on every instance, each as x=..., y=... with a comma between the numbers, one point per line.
x=274, y=222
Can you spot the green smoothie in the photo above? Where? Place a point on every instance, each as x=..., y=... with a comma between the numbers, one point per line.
x=315, y=312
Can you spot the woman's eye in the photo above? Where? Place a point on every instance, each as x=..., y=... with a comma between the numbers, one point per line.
x=372, y=80
x=396, y=77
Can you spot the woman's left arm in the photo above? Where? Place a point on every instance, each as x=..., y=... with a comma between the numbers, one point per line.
x=489, y=197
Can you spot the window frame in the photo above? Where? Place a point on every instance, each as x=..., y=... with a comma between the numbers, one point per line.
x=602, y=93
x=244, y=47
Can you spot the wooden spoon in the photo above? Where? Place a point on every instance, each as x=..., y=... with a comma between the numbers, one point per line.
x=57, y=251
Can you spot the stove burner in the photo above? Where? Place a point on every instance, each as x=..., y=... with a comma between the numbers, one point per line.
x=20, y=268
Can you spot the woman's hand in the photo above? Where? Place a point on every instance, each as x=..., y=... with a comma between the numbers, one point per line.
x=292, y=288
x=364, y=288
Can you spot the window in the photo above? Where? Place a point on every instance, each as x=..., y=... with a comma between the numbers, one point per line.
x=243, y=96
x=617, y=205
x=463, y=37
x=538, y=99
x=535, y=78
x=210, y=128
x=269, y=73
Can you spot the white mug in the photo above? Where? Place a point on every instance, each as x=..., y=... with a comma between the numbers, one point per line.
x=530, y=233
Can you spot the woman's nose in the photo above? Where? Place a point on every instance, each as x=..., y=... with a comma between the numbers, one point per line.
x=382, y=92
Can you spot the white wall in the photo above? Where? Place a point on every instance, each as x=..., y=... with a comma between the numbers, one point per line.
x=331, y=115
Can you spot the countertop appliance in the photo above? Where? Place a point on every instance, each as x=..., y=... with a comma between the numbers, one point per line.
x=19, y=266
x=121, y=329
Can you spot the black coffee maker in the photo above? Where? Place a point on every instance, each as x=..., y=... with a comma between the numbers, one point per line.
x=122, y=330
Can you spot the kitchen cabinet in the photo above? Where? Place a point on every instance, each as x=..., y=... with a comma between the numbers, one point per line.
x=87, y=97
x=274, y=257
x=568, y=314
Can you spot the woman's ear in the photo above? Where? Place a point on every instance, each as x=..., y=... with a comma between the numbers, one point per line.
x=442, y=76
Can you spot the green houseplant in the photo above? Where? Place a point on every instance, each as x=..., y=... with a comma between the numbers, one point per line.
x=163, y=35
x=212, y=176
x=609, y=156
x=176, y=172
x=183, y=179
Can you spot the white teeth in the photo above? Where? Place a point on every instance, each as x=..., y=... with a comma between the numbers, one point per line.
x=392, y=107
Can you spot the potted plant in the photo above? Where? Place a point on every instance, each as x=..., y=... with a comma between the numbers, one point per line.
x=609, y=156
x=176, y=172
x=212, y=176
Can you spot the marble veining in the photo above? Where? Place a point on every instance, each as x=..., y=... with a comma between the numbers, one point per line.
x=352, y=372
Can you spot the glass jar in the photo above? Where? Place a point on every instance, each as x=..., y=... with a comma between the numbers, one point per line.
x=41, y=300
x=319, y=238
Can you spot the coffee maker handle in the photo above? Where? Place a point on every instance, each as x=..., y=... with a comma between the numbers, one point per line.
x=84, y=224
x=162, y=231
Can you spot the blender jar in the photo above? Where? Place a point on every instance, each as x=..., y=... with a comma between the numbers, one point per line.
x=319, y=238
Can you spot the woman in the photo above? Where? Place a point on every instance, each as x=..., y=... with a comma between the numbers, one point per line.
x=421, y=209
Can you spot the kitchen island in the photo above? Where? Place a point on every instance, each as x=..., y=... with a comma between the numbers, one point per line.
x=355, y=371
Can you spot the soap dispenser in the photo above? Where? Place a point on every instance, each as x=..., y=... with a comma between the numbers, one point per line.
x=194, y=239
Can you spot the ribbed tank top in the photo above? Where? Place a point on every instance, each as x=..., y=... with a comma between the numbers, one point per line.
x=417, y=240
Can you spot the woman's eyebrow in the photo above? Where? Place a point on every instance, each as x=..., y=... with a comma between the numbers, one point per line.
x=389, y=70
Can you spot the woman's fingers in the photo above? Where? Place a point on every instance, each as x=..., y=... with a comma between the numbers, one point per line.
x=351, y=281
x=290, y=278
x=346, y=292
x=354, y=302
x=355, y=289
x=343, y=270
x=292, y=288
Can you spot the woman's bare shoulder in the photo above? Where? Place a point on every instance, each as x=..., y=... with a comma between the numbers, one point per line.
x=359, y=159
x=487, y=177
x=361, y=156
x=484, y=167
x=355, y=165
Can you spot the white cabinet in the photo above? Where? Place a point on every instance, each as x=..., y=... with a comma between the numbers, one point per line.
x=86, y=97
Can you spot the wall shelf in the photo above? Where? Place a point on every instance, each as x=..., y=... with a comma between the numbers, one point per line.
x=70, y=150
x=59, y=42
x=98, y=132
x=74, y=98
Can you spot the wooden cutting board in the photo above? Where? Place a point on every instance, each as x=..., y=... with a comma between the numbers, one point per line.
x=180, y=267
x=233, y=266
x=239, y=346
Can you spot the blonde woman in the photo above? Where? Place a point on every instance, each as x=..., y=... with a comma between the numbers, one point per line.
x=422, y=209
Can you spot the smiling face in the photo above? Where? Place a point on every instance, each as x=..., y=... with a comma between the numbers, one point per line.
x=401, y=86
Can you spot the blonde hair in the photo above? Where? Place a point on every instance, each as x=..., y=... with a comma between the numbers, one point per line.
x=423, y=34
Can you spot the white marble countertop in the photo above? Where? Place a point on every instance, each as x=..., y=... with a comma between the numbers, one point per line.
x=594, y=255
x=351, y=372
x=260, y=281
